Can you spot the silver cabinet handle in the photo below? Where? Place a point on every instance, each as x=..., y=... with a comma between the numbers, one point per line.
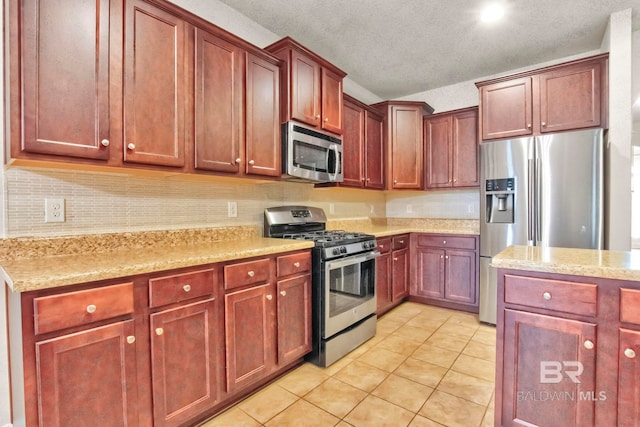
x=441, y=256
x=544, y=124
x=446, y=257
x=131, y=339
x=317, y=116
x=444, y=242
x=629, y=353
x=546, y=295
x=251, y=273
x=105, y=142
x=186, y=288
x=159, y=331
x=588, y=344
x=326, y=119
x=395, y=181
x=402, y=242
x=395, y=259
x=238, y=160
x=269, y=297
x=528, y=125
x=91, y=308
x=251, y=162
x=296, y=264
x=131, y=146
x=283, y=293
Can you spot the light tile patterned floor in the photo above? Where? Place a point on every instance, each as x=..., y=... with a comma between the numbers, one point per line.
x=426, y=366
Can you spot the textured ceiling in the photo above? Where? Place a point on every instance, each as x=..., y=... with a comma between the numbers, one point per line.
x=396, y=48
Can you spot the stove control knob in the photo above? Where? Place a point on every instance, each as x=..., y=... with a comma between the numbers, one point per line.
x=343, y=250
x=336, y=251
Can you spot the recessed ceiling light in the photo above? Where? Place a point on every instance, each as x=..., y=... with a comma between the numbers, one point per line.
x=492, y=12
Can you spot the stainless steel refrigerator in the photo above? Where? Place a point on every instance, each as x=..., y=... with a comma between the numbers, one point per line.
x=539, y=191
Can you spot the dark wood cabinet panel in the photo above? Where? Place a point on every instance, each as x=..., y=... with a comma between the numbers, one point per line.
x=249, y=335
x=218, y=100
x=332, y=101
x=400, y=275
x=383, y=283
x=461, y=284
x=438, y=147
x=628, y=378
x=263, y=145
x=374, y=151
x=570, y=97
x=72, y=392
x=392, y=272
x=545, y=355
x=154, y=87
x=465, y=149
x=507, y=109
x=431, y=273
x=65, y=68
x=353, y=141
x=186, y=362
x=294, y=318
x=305, y=89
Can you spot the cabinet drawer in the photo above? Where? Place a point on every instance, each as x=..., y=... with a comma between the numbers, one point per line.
x=568, y=297
x=62, y=311
x=459, y=242
x=180, y=287
x=384, y=245
x=400, y=242
x=294, y=263
x=246, y=273
x=630, y=305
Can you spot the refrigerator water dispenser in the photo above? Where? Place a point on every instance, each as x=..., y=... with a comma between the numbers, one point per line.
x=500, y=195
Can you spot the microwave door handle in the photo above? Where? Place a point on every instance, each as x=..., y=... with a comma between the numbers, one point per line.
x=334, y=148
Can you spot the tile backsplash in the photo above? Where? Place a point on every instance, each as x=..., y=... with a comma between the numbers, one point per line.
x=106, y=202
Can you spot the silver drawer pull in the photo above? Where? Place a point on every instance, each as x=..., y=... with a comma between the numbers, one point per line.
x=131, y=146
x=588, y=344
x=444, y=242
x=296, y=264
x=251, y=273
x=131, y=339
x=105, y=142
x=269, y=297
x=546, y=295
x=159, y=331
x=186, y=288
x=629, y=353
x=91, y=308
x=402, y=242
x=283, y=293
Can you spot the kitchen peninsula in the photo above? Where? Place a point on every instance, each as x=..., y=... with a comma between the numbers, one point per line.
x=568, y=336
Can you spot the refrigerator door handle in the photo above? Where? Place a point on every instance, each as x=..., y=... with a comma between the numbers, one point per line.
x=531, y=202
x=538, y=206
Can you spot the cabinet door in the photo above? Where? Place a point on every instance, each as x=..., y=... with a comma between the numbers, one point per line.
x=548, y=371
x=186, y=362
x=629, y=378
x=374, y=152
x=570, y=97
x=331, y=101
x=460, y=276
x=353, y=145
x=400, y=275
x=294, y=318
x=383, y=281
x=249, y=329
x=430, y=281
x=263, y=145
x=305, y=89
x=65, y=64
x=406, y=147
x=154, y=91
x=506, y=109
x=88, y=378
x=219, y=68
x=437, y=135
x=465, y=149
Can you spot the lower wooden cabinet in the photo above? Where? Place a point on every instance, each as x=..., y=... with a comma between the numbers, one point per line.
x=88, y=378
x=294, y=318
x=446, y=271
x=629, y=378
x=392, y=272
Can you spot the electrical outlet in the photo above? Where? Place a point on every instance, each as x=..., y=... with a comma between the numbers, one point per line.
x=372, y=210
x=232, y=208
x=470, y=208
x=53, y=210
x=409, y=208
x=332, y=208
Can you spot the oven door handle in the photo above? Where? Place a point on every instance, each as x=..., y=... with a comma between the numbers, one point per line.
x=356, y=259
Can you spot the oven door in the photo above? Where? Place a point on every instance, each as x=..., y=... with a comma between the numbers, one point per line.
x=349, y=291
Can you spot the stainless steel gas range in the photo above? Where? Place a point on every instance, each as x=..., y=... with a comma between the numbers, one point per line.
x=343, y=295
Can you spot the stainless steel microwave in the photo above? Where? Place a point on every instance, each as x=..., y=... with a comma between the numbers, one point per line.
x=310, y=155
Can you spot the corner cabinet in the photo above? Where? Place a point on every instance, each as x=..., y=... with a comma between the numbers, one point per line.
x=567, y=96
x=312, y=87
x=403, y=139
x=363, y=148
x=447, y=271
x=451, y=149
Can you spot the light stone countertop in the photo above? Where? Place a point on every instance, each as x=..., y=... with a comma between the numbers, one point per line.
x=28, y=274
x=580, y=262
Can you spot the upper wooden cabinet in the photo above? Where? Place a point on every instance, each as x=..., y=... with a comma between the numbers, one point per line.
x=312, y=87
x=451, y=149
x=403, y=139
x=567, y=96
x=65, y=74
x=363, y=155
